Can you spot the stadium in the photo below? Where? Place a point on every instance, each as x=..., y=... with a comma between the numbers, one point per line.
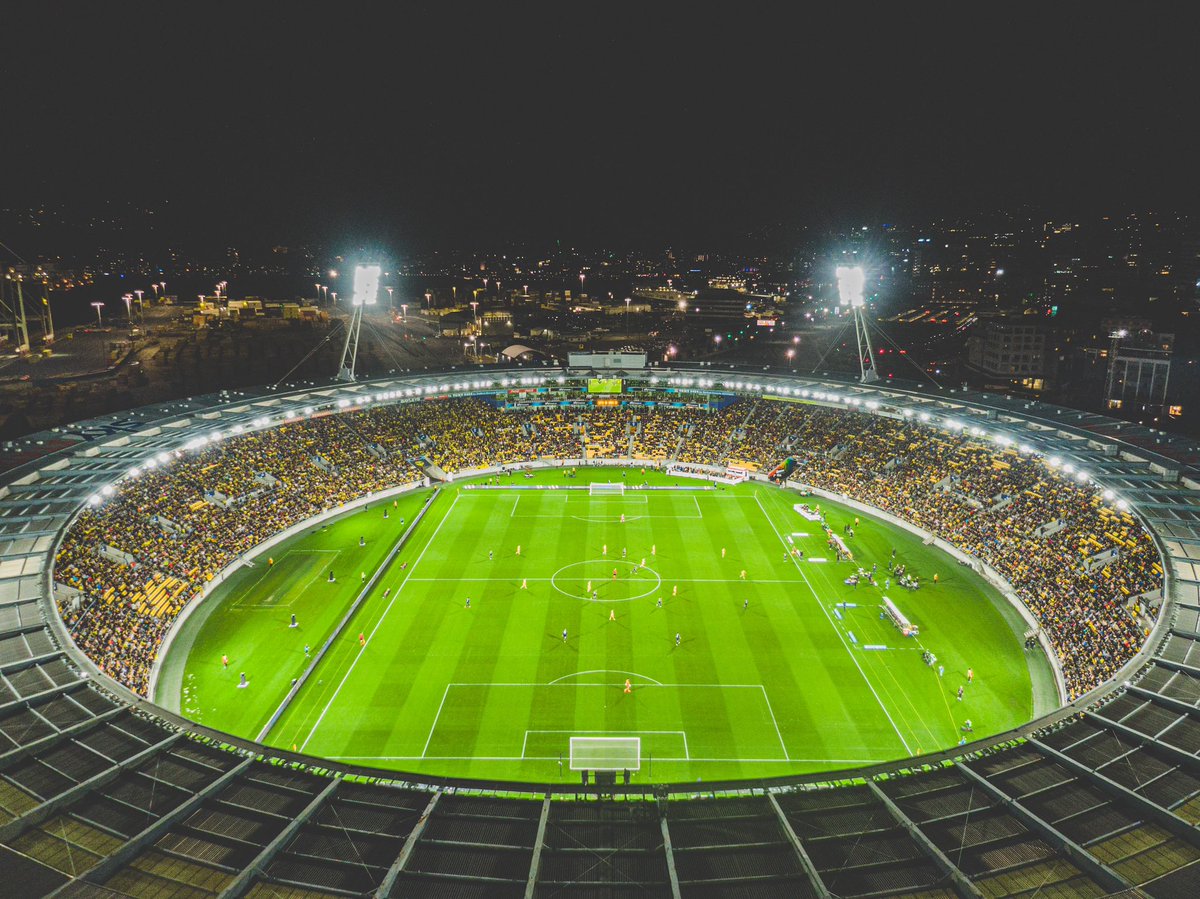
x=605, y=629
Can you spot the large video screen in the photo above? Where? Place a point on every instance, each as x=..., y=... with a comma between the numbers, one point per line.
x=604, y=385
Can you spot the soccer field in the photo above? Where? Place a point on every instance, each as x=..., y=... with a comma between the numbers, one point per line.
x=783, y=670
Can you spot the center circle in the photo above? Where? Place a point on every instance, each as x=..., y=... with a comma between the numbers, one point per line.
x=572, y=580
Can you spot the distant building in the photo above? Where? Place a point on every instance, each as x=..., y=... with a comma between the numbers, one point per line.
x=1139, y=371
x=1009, y=352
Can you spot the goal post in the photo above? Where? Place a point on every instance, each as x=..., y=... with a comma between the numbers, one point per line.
x=606, y=753
x=606, y=489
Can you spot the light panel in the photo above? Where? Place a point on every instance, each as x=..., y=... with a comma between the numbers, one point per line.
x=366, y=284
x=851, y=280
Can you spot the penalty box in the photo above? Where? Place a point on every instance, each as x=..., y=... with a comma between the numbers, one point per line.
x=671, y=722
x=640, y=505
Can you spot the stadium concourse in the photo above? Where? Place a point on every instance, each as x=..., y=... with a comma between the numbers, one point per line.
x=111, y=528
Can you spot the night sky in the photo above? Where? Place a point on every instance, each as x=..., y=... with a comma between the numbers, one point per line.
x=591, y=123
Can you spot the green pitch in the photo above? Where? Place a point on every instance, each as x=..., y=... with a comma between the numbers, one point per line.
x=729, y=677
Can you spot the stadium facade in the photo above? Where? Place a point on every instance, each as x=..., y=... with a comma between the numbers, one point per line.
x=105, y=794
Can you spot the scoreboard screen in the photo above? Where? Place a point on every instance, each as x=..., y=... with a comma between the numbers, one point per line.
x=604, y=385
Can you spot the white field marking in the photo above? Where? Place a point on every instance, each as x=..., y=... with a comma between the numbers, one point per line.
x=558, y=683
x=433, y=726
x=771, y=712
x=604, y=671
x=395, y=596
x=547, y=758
x=687, y=756
x=243, y=604
x=605, y=562
x=604, y=684
x=836, y=629
x=681, y=580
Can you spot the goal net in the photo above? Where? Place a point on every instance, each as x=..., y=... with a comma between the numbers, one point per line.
x=606, y=489
x=606, y=753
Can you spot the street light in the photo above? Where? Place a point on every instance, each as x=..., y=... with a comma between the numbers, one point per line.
x=429, y=299
x=128, y=298
x=403, y=310
x=140, y=307
x=389, y=290
x=334, y=295
x=99, y=319
x=475, y=311
x=627, y=299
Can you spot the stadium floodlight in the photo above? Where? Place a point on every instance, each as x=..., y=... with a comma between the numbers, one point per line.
x=851, y=279
x=366, y=284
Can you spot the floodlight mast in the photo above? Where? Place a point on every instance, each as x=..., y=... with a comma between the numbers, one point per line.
x=366, y=290
x=851, y=280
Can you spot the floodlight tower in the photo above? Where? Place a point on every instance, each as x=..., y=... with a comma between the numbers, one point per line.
x=851, y=280
x=366, y=290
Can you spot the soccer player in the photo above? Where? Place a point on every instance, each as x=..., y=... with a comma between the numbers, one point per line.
x=225, y=661
x=518, y=549
x=624, y=552
x=604, y=550
x=524, y=583
x=243, y=682
x=362, y=541
x=385, y=514
x=468, y=602
x=306, y=651
x=941, y=670
x=745, y=604
x=331, y=575
x=614, y=577
x=628, y=686
x=674, y=589
x=654, y=549
x=363, y=579
x=677, y=638
x=622, y=518
x=660, y=602
x=960, y=693
x=970, y=675
x=362, y=639
x=612, y=614
x=489, y=555
x=722, y=552
x=589, y=587
x=935, y=577
x=564, y=635
x=743, y=574
x=293, y=624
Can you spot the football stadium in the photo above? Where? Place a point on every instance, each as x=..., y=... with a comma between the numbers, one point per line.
x=608, y=628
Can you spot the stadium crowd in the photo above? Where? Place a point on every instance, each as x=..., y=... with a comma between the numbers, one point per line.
x=1076, y=563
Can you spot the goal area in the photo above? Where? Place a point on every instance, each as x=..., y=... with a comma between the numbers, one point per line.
x=606, y=753
x=606, y=489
